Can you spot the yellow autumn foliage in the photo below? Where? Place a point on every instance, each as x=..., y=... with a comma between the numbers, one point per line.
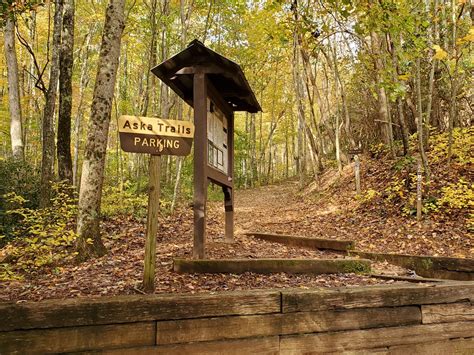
x=440, y=53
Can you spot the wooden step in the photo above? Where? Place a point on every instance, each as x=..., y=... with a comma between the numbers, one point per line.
x=268, y=266
x=313, y=243
x=427, y=266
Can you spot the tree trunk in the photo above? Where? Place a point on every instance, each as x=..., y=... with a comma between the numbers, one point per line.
x=345, y=110
x=65, y=93
x=382, y=101
x=424, y=158
x=151, y=58
x=184, y=17
x=47, y=162
x=400, y=108
x=84, y=82
x=13, y=91
x=454, y=83
x=434, y=37
x=315, y=147
x=300, y=167
x=89, y=242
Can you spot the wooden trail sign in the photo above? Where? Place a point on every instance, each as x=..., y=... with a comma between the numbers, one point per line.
x=155, y=136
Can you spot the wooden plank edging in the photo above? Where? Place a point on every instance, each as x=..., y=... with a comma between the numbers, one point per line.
x=267, y=266
x=427, y=266
x=314, y=243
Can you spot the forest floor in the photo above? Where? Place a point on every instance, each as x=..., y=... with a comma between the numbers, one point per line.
x=326, y=209
x=329, y=209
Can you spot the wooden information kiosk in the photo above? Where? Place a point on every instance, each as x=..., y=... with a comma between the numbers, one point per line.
x=215, y=87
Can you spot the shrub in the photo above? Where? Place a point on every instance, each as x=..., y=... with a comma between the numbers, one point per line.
x=462, y=148
x=21, y=179
x=367, y=196
x=43, y=237
x=458, y=195
x=119, y=202
x=378, y=150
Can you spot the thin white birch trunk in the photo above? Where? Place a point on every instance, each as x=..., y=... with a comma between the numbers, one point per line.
x=13, y=91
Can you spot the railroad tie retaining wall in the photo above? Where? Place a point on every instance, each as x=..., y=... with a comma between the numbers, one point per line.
x=395, y=319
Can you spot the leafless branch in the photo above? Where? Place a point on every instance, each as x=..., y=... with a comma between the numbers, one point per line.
x=40, y=72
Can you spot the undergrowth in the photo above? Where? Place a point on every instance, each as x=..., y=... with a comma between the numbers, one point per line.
x=39, y=238
x=449, y=193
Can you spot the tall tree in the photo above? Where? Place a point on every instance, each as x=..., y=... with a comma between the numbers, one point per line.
x=13, y=90
x=65, y=93
x=89, y=242
x=382, y=100
x=48, y=144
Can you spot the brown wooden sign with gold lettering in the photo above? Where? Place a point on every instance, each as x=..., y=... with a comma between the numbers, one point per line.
x=155, y=136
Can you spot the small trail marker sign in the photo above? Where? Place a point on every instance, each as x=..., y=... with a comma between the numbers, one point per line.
x=155, y=136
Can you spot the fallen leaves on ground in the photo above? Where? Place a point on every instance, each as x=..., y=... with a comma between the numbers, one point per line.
x=326, y=209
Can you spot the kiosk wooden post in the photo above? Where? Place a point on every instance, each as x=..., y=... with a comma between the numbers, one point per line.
x=229, y=191
x=200, y=163
x=215, y=87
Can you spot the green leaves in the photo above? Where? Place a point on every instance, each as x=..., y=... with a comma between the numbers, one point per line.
x=43, y=237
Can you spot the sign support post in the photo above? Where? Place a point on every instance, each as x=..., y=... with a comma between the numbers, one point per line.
x=152, y=223
x=357, y=173
x=156, y=137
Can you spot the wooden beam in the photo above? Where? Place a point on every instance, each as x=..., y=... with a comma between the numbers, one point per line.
x=267, y=346
x=218, y=328
x=306, y=242
x=427, y=266
x=267, y=266
x=152, y=223
x=200, y=164
x=210, y=68
x=373, y=338
x=130, y=309
x=376, y=296
x=229, y=193
x=451, y=312
x=229, y=214
x=73, y=339
x=218, y=177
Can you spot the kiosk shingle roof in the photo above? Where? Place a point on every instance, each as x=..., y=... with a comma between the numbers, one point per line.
x=225, y=75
